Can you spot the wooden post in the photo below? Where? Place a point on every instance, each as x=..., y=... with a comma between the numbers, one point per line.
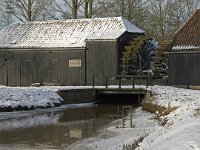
x=188, y=85
x=86, y=129
x=36, y=69
x=92, y=81
x=148, y=95
x=94, y=128
x=118, y=114
x=123, y=117
x=20, y=73
x=147, y=81
x=118, y=111
x=106, y=82
x=131, y=118
x=6, y=72
x=133, y=82
x=120, y=82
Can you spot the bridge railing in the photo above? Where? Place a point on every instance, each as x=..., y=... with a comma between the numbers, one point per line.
x=121, y=80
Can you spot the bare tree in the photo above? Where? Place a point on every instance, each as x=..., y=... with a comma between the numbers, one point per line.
x=166, y=16
x=190, y=6
x=105, y=8
x=159, y=18
x=122, y=7
x=26, y=10
x=133, y=10
x=75, y=6
x=88, y=8
x=128, y=8
x=66, y=9
x=5, y=14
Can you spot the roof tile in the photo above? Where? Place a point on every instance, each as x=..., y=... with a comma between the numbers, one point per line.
x=188, y=36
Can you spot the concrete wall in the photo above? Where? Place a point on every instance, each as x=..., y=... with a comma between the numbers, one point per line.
x=75, y=96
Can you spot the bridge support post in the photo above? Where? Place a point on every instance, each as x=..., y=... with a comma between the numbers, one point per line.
x=147, y=81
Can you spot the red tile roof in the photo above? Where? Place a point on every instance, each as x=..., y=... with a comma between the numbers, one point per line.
x=188, y=36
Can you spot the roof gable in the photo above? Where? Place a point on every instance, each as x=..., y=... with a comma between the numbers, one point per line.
x=188, y=36
x=69, y=33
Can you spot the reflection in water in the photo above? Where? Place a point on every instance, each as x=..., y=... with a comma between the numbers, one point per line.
x=55, y=129
x=27, y=122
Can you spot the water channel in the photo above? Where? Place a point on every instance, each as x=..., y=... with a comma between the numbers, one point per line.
x=54, y=128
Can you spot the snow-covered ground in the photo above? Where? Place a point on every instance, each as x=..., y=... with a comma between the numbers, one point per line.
x=180, y=131
x=29, y=97
x=182, y=127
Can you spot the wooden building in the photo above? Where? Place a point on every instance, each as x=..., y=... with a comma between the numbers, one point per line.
x=67, y=52
x=184, y=56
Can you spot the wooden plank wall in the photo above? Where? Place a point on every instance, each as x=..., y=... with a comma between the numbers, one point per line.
x=101, y=60
x=184, y=68
x=24, y=67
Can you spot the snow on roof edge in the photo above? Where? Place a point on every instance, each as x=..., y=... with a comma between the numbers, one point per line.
x=185, y=47
x=127, y=26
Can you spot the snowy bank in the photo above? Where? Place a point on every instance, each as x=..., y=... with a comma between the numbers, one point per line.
x=15, y=98
x=112, y=138
x=180, y=129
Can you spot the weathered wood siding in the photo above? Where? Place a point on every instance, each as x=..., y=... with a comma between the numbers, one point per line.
x=102, y=58
x=184, y=68
x=20, y=67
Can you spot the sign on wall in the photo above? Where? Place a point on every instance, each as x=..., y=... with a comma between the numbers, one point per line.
x=75, y=63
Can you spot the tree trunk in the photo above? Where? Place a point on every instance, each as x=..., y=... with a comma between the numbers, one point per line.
x=122, y=8
x=74, y=9
x=90, y=8
x=86, y=8
x=29, y=10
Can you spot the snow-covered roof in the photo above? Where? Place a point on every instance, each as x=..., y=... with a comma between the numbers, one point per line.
x=68, y=33
x=188, y=35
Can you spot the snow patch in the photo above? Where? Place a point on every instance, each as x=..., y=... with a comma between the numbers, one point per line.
x=28, y=97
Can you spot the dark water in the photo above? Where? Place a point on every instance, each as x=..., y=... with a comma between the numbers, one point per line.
x=55, y=128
